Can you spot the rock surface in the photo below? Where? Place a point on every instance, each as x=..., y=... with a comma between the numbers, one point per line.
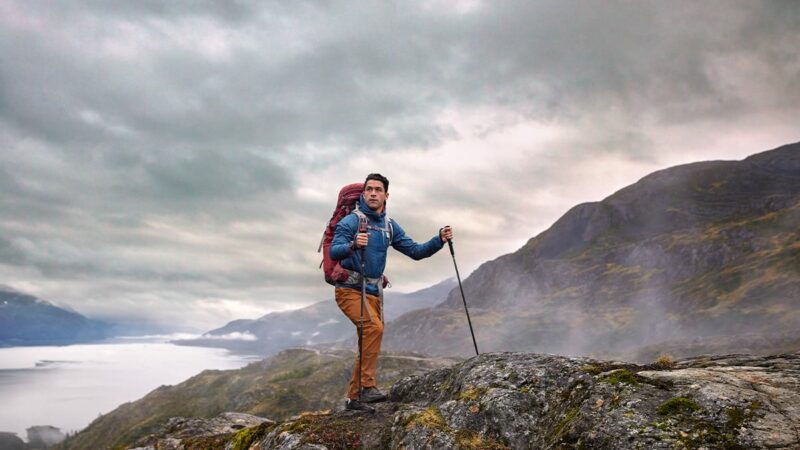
x=538, y=401
x=180, y=432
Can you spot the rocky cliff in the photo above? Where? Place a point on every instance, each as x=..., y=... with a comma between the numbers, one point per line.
x=537, y=401
x=687, y=259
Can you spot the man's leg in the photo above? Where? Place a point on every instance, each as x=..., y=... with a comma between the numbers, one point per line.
x=349, y=301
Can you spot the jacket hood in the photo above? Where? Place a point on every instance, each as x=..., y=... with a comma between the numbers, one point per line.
x=362, y=205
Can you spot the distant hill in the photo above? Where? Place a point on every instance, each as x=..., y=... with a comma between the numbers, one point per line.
x=321, y=322
x=27, y=320
x=698, y=258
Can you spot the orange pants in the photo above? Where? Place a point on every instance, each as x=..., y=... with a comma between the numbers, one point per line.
x=349, y=301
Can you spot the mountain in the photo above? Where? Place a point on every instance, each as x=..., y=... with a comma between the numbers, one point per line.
x=321, y=322
x=27, y=320
x=686, y=259
x=279, y=387
x=536, y=401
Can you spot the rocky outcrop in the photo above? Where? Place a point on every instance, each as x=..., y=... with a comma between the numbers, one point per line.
x=181, y=433
x=537, y=401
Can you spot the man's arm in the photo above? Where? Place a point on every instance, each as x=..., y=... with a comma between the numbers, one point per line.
x=405, y=245
x=341, y=246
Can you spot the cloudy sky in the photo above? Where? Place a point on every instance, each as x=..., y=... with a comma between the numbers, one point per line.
x=177, y=161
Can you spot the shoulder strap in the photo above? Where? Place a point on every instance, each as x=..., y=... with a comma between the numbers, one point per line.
x=363, y=222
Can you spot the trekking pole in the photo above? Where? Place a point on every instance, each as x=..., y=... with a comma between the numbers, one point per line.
x=453, y=254
x=361, y=320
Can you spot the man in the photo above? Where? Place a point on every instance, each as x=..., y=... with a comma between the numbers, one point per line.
x=347, y=247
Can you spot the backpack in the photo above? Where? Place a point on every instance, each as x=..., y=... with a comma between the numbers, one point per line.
x=345, y=204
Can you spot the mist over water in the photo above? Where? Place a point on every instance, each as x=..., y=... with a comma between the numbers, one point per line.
x=69, y=386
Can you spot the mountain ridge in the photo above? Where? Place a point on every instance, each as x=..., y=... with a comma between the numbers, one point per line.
x=698, y=250
x=318, y=323
x=28, y=320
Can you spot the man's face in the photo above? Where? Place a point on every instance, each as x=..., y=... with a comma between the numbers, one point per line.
x=375, y=195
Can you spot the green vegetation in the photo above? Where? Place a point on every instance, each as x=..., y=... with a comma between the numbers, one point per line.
x=621, y=376
x=591, y=369
x=678, y=405
x=292, y=374
x=243, y=439
x=430, y=417
x=739, y=416
x=471, y=394
x=569, y=416
x=205, y=442
x=685, y=422
x=469, y=440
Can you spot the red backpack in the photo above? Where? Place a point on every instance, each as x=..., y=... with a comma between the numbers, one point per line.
x=346, y=204
x=348, y=201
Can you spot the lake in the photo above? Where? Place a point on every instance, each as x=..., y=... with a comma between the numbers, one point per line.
x=69, y=386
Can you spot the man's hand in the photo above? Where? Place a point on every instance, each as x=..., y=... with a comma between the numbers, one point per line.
x=362, y=239
x=446, y=233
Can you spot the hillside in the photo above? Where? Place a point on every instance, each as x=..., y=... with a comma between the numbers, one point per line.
x=686, y=259
x=295, y=380
x=534, y=401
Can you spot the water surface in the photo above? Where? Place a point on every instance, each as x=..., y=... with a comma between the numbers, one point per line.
x=69, y=386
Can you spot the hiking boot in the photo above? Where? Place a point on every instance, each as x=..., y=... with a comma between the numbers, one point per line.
x=372, y=395
x=355, y=405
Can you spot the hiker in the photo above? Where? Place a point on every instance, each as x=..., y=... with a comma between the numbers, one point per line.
x=347, y=247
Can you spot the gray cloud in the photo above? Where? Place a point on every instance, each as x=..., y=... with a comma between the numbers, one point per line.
x=192, y=149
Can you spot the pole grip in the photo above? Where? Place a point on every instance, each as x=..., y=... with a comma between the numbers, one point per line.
x=449, y=242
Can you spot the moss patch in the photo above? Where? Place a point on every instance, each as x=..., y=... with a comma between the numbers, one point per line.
x=471, y=394
x=739, y=416
x=559, y=429
x=678, y=405
x=469, y=440
x=695, y=431
x=592, y=369
x=243, y=439
x=621, y=376
x=430, y=417
x=205, y=442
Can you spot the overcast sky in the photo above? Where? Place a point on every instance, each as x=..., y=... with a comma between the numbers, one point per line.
x=177, y=161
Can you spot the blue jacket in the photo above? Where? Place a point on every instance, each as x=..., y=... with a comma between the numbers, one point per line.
x=376, y=250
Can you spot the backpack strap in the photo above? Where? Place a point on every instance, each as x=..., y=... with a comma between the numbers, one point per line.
x=363, y=222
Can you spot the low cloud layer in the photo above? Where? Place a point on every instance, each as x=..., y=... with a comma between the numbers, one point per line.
x=176, y=163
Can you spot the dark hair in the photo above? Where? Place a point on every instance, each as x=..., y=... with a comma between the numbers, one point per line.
x=379, y=177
